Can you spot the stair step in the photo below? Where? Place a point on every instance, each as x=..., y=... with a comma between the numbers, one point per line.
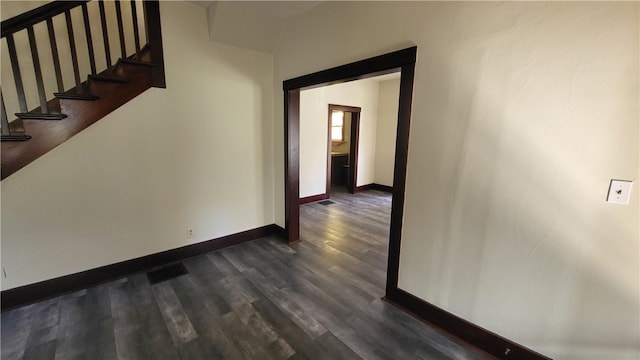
x=135, y=62
x=113, y=87
x=40, y=116
x=75, y=96
x=108, y=78
x=15, y=137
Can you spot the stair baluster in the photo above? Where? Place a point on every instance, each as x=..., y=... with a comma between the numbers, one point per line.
x=54, y=55
x=105, y=36
x=44, y=109
x=87, y=32
x=17, y=76
x=136, y=34
x=123, y=47
x=74, y=53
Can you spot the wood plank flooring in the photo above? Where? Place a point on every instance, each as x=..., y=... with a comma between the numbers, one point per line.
x=257, y=300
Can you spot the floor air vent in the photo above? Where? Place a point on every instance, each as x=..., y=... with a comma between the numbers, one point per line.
x=166, y=273
x=326, y=202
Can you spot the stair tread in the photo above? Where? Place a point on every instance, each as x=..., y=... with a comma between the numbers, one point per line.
x=72, y=95
x=54, y=112
x=109, y=78
x=41, y=116
x=136, y=62
x=15, y=137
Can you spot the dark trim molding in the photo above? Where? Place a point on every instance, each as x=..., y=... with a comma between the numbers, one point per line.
x=374, y=186
x=401, y=60
x=313, y=198
x=354, y=148
x=482, y=338
x=278, y=231
x=384, y=188
x=363, y=188
x=354, y=138
x=27, y=294
x=329, y=159
x=405, y=102
x=375, y=66
x=292, y=164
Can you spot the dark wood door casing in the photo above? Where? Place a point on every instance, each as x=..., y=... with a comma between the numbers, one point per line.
x=354, y=132
x=354, y=146
x=292, y=164
x=403, y=61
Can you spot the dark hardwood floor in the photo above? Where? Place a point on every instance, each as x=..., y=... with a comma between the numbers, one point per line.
x=257, y=300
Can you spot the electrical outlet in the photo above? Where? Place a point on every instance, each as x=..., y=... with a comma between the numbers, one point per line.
x=189, y=233
x=4, y=273
x=619, y=191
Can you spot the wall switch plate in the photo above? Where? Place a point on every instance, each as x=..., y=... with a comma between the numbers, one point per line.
x=619, y=191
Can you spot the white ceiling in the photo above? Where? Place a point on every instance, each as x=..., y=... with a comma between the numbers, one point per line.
x=255, y=25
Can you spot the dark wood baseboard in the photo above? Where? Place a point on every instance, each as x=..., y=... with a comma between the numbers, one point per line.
x=31, y=293
x=484, y=339
x=279, y=231
x=313, y=198
x=363, y=188
x=384, y=188
x=374, y=186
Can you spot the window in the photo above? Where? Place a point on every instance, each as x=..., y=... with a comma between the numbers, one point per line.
x=337, y=125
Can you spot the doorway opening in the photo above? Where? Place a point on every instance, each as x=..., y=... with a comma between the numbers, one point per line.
x=403, y=61
x=342, y=148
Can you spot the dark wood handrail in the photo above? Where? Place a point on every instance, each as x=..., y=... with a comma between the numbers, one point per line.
x=37, y=15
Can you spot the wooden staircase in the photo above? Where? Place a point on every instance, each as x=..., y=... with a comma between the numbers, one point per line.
x=33, y=133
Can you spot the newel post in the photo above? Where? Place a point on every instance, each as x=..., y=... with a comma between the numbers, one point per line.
x=154, y=37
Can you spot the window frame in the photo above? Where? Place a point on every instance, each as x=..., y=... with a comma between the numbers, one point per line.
x=342, y=130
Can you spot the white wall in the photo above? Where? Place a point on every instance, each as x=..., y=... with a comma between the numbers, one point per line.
x=198, y=154
x=388, y=95
x=522, y=113
x=314, y=125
